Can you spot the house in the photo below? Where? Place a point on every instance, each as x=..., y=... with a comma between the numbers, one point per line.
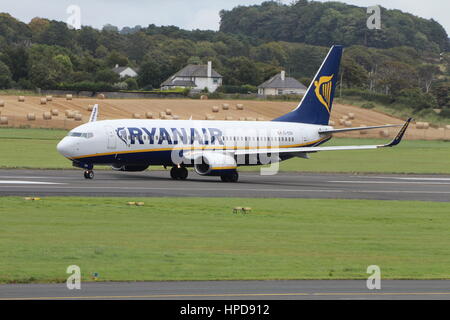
x=196, y=77
x=280, y=84
x=125, y=71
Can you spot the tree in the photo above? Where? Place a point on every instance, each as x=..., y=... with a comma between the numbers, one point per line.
x=427, y=75
x=150, y=75
x=5, y=76
x=107, y=76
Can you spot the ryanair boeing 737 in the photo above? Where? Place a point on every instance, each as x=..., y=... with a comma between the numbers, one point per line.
x=214, y=148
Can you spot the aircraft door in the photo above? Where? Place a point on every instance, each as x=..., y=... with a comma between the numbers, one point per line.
x=112, y=139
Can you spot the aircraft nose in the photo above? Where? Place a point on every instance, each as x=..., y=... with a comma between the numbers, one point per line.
x=64, y=147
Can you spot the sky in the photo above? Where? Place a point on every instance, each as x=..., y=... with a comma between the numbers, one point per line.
x=187, y=14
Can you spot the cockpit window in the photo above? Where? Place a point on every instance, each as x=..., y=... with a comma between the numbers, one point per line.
x=86, y=135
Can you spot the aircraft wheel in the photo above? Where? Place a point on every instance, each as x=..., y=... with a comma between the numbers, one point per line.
x=183, y=173
x=230, y=177
x=179, y=173
x=89, y=174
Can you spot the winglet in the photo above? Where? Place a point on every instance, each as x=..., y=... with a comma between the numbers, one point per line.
x=400, y=135
x=94, y=114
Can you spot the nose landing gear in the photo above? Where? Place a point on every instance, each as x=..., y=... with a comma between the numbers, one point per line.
x=89, y=174
x=179, y=173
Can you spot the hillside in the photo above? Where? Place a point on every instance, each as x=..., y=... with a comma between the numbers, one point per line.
x=324, y=24
x=17, y=112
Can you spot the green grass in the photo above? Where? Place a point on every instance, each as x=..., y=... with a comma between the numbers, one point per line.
x=36, y=148
x=201, y=239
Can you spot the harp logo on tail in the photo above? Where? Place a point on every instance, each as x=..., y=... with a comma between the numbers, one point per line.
x=323, y=90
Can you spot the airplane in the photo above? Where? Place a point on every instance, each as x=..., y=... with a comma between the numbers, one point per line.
x=212, y=147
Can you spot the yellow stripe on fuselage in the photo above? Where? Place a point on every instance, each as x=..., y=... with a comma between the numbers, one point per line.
x=215, y=148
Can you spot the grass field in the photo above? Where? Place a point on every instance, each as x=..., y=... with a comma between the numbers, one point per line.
x=195, y=238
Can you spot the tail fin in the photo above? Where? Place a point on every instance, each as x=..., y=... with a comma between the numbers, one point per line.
x=94, y=114
x=315, y=107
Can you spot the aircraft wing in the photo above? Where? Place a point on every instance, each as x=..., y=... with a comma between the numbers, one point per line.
x=393, y=143
x=324, y=130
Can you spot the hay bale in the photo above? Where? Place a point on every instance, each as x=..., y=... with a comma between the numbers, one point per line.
x=175, y=117
x=101, y=96
x=250, y=119
x=363, y=131
x=2, y=103
x=242, y=119
x=447, y=127
x=345, y=118
x=168, y=112
x=70, y=114
x=162, y=114
x=384, y=133
x=209, y=117
x=43, y=101
x=169, y=117
x=69, y=97
x=203, y=97
x=21, y=99
x=239, y=106
x=47, y=115
x=331, y=123
x=78, y=117
x=49, y=98
x=351, y=116
x=3, y=120
x=136, y=116
x=348, y=123
x=422, y=125
x=225, y=106
x=31, y=117
x=215, y=109
x=149, y=115
x=90, y=107
x=228, y=118
x=341, y=122
x=54, y=112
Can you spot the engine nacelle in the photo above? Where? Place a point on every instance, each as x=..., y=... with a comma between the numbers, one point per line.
x=129, y=168
x=214, y=163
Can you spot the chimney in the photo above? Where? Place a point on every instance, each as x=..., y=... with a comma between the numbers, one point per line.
x=209, y=69
x=283, y=75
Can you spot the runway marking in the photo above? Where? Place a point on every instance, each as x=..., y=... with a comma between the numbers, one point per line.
x=236, y=190
x=412, y=178
x=156, y=296
x=389, y=182
x=26, y=182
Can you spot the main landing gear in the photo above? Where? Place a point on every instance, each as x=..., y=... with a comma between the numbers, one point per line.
x=179, y=173
x=230, y=177
x=89, y=174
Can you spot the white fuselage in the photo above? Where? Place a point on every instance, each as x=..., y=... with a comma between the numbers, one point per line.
x=134, y=140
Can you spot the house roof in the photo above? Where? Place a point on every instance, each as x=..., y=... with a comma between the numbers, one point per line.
x=190, y=71
x=276, y=83
x=119, y=70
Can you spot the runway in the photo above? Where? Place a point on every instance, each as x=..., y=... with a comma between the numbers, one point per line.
x=235, y=290
x=283, y=185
